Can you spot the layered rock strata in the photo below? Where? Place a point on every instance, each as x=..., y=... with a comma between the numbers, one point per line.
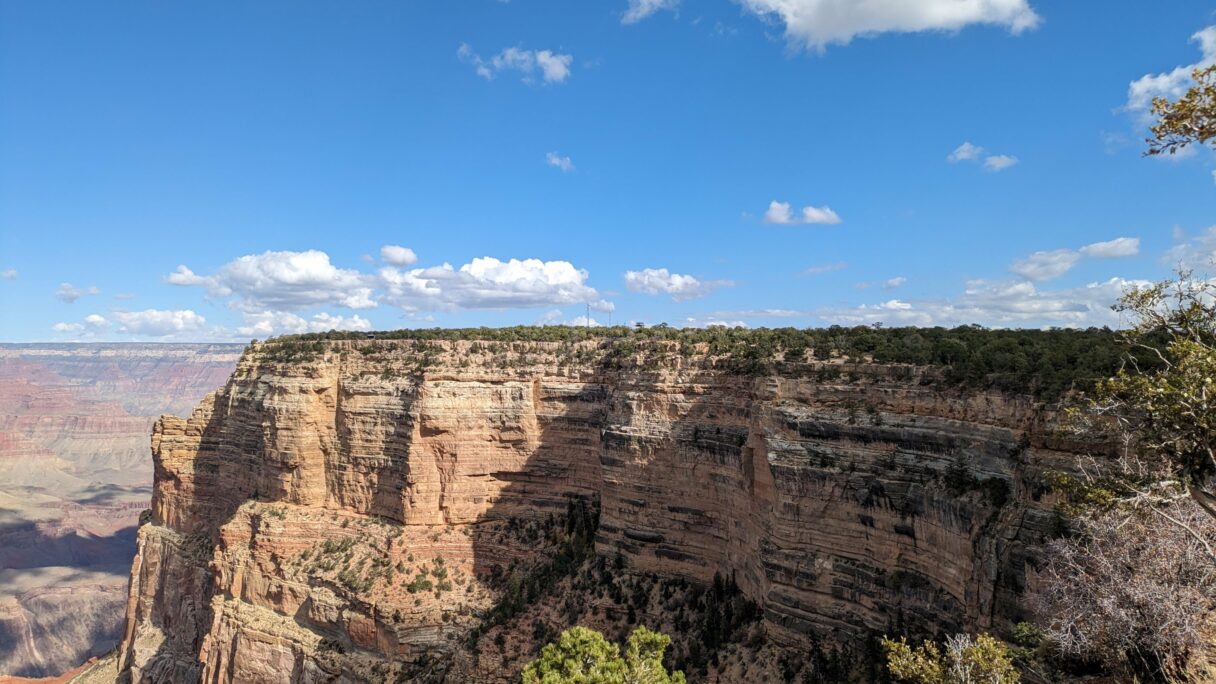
x=338, y=516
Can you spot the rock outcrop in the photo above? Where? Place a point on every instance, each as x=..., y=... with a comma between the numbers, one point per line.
x=341, y=515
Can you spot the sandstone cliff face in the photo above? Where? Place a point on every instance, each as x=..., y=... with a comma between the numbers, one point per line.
x=293, y=506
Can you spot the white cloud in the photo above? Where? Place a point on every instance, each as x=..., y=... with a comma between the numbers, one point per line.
x=268, y=323
x=640, y=9
x=554, y=67
x=66, y=292
x=820, y=215
x=159, y=323
x=1046, y=265
x=1000, y=304
x=892, y=283
x=680, y=287
x=280, y=282
x=968, y=152
x=68, y=327
x=563, y=163
x=1171, y=84
x=999, y=162
x=283, y=281
x=397, y=255
x=712, y=322
x=8, y=274
x=488, y=283
x=1197, y=253
x=1113, y=249
x=778, y=212
x=583, y=322
x=824, y=268
x=761, y=313
x=818, y=23
x=965, y=152
x=781, y=213
x=96, y=321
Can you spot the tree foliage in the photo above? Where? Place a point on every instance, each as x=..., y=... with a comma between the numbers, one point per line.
x=1189, y=120
x=983, y=660
x=1163, y=416
x=584, y=656
x=1047, y=364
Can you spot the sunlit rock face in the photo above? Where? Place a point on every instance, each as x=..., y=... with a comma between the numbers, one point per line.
x=75, y=472
x=843, y=498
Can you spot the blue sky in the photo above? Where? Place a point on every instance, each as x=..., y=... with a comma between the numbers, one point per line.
x=207, y=171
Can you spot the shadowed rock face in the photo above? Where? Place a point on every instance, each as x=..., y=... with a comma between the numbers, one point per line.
x=294, y=505
x=74, y=474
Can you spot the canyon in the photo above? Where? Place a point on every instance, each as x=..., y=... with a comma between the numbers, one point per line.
x=359, y=509
x=75, y=472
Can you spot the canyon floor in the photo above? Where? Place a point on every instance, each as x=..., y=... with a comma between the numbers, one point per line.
x=75, y=472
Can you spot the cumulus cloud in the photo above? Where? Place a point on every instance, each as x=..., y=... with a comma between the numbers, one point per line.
x=96, y=321
x=271, y=289
x=1197, y=253
x=816, y=24
x=397, y=255
x=781, y=213
x=583, y=322
x=965, y=152
x=1046, y=265
x=8, y=274
x=68, y=327
x=999, y=162
x=68, y=293
x=998, y=304
x=158, y=322
x=563, y=163
x=712, y=322
x=680, y=287
x=640, y=9
x=554, y=67
x=1173, y=83
x=283, y=281
x=488, y=283
x=268, y=323
x=1113, y=249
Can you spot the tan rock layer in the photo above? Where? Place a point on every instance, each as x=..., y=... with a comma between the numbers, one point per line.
x=826, y=498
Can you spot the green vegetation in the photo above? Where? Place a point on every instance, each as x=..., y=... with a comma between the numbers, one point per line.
x=1131, y=588
x=1043, y=363
x=574, y=543
x=983, y=660
x=584, y=656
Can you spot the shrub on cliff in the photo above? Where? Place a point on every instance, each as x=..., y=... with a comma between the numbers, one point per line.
x=1044, y=363
x=983, y=660
x=584, y=656
x=1131, y=593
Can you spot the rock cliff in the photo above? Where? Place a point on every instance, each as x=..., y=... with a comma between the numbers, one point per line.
x=347, y=512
